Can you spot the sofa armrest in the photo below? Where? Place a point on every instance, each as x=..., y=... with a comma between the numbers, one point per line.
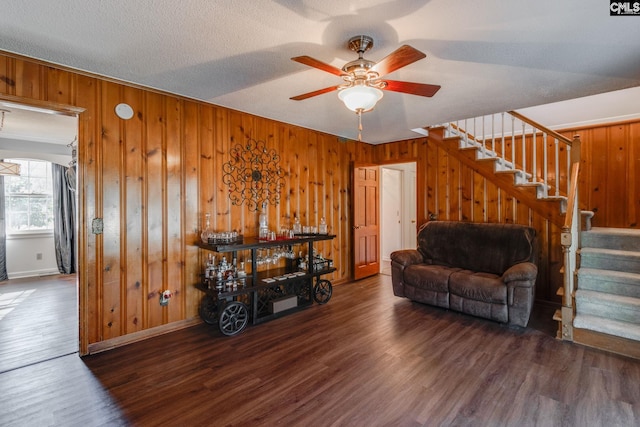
x=406, y=257
x=399, y=261
x=524, y=274
x=520, y=280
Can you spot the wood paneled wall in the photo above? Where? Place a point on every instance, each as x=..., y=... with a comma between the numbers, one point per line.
x=610, y=179
x=609, y=184
x=449, y=190
x=152, y=178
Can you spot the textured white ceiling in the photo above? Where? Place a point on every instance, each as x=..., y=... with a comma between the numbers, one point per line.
x=488, y=55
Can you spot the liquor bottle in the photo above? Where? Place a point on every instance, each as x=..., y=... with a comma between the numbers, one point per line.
x=297, y=227
x=241, y=271
x=263, y=231
x=322, y=227
x=209, y=272
x=207, y=232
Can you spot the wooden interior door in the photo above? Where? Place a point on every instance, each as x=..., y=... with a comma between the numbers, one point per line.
x=366, y=221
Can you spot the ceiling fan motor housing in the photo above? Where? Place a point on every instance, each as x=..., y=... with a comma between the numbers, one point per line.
x=360, y=66
x=360, y=44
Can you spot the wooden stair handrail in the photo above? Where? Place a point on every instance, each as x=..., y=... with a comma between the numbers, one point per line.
x=541, y=127
x=571, y=204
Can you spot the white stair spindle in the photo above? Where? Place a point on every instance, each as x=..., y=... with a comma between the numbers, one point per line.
x=524, y=149
x=557, y=167
x=493, y=134
x=568, y=168
x=545, y=178
x=475, y=134
x=503, y=156
x=534, y=159
x=513, y=142
x=468, y=137
x=484, y=138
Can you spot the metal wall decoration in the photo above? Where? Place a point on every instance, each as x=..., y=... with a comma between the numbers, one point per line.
x=253, y=174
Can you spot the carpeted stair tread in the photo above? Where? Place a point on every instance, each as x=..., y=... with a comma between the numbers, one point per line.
x=607, y=326
x=612, y=238
x=611, y=306
x=610, y=281
x=610, y=259
x=610, y=252
x=607, y=298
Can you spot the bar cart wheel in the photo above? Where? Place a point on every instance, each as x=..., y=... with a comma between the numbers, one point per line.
x=233, y=318
x=208, y=310
x=322, y=291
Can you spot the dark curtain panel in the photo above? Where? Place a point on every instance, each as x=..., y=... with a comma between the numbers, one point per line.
x=3, y=235
x=64, y=221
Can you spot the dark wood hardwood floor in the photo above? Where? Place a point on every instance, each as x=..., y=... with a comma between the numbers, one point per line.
x=366, y=358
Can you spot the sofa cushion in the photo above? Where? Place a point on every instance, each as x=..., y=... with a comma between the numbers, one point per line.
x=488, y=310
x=491, y=248
x=476, y=286
x=431, y=277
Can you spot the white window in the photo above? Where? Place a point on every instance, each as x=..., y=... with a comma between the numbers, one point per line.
x=29, y=197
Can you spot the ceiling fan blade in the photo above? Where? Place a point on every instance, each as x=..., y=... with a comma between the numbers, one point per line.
x=399, y=58
x=419, y=89
x=311, y=62
x=314, y=93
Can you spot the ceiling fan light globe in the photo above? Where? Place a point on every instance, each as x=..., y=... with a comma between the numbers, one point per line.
x=360, y=98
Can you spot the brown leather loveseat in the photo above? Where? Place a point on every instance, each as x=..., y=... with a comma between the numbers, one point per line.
x=482, y=269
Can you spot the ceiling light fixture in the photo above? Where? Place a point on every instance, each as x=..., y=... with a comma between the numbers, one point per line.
x=360, y=98
x=9, y=169
x=363, y=79
x=71, y=170
x=2, y=117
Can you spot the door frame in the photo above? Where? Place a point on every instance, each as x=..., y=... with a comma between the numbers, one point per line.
x=390, y=212
x=71, y=110
x=420, y=200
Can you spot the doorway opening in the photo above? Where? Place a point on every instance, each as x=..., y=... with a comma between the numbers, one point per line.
x=39, y=311
x=398, y=210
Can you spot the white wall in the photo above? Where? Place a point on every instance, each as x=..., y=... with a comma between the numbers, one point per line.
x=31, y=255
x=406, y=203
x=391, y=211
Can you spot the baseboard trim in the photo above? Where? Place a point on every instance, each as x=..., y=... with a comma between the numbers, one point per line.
x=610, y=343
x=33, y=273
x=112, y=343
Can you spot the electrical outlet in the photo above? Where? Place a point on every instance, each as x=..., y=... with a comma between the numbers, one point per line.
x=165, y=296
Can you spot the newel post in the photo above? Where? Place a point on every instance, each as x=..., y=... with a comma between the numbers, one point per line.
x=570, y=241
x=575, y=149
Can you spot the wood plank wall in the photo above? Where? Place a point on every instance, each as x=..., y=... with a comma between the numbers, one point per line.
x=449, y=190
x=609, y=184
x=152, y=179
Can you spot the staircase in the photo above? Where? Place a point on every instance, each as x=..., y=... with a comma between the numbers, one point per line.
x=607, y=299
x=601, y=291
x=514, y=152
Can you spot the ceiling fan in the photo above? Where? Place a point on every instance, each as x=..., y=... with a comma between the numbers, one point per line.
x=363, y=82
